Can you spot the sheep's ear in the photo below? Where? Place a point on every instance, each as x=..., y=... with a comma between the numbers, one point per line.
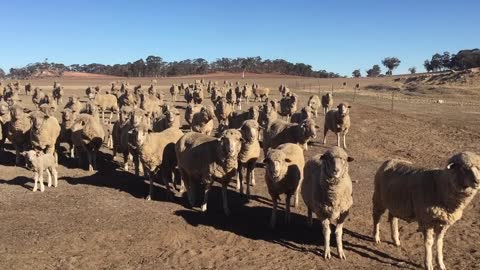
x=450, y=166
x=323, y=157
x=316, y=126
x=288, y=160
x=350, y=159
x=149, y=131
x=349, y=106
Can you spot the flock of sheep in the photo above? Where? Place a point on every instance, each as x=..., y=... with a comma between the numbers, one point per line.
x=148, y=131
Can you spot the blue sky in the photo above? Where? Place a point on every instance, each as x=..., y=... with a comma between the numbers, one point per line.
x=336, y=35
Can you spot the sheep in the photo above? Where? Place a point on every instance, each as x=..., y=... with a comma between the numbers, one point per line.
x=153, y=92
x=189, y=112
x=338, y=121
x=57, y=94
x=230, y=96
x=5, y=118
x=268, y=113
x=104, y=102
x=174, y=90
x=435, y=198
x=283, y=175
x=121, y=127
x=203, y=159
x=44, y=132
x=19, y=130
x=88, y=135
x=327, y=102
x=138, y=117
x=151, y=104
x=74, y=104
x=38, y=96
x=215, y=95
x=260, y=92
x=40, y=162
x=288, y=105
x=304, y=113
x=68, y=119
x=249, y=154
x=202, y=121
x=284, y=90
x=169, y=118
x=223, y=110
x=156, y=152
x=28, y=88
x=279, y=132
x=327, y=190
x=188, y=95
x=236, y=119
x=114, y=90
x=198, y=96
x=314, y=104
x=246, y=92
x=126, y=99
x=238, y=97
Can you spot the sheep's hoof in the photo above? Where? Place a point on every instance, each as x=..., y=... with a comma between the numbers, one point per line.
x=204, y=207
x=227, y=212
x=148, y=198
x=327, y=255
x=342, y=255
x=377, y=240
x=396, y=243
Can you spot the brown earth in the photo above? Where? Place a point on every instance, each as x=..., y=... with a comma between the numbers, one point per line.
x=101, y=221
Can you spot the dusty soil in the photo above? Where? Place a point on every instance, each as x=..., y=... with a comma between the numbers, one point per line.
x=101, y=221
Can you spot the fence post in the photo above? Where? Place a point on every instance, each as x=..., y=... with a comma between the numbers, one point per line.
x=393, y=96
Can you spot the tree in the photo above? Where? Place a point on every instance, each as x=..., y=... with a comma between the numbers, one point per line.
x=436, y=62
x=446, y=61
x=356, y=73
x=154, y=65
x=428, y=65
x=2, y=74
x=465, y=59
x=391, y=63
x=374, y=71
x=412, y=70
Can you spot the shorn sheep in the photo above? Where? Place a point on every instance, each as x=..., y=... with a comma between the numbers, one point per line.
x=202, y=121
x=202, y=160
x=40, y=162
x=284, y=174
x=280, y=132
x=338, y=121
x=157, y=153
x=249, y=154
x=44, y=132
x=19, y=130
x=327, y=191
x=314, y=104
x=327, y=102
x=288, y=105
x=260, y=92
x=435, y=198
x=88, y=135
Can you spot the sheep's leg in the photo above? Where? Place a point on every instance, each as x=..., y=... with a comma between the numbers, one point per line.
x=150, y=190
x=253, y=175
x=55, y=177
x=35, y=181
x=394, y=229
x=208, y=185
x=250, y=168
x=297, y=196
x=226, y=210
x=136, y=164
x=287, y=209
x=273, y=219
x=344, y=140
x=89, y=157
x=326, y=236
x=339, y=236
x=49, y=182
x=240, y=178
x=17, y=156
x=377, y=213
x=42, y=186
x=338, y=139
x=309, y=217
x=94, y=159
x=428, y=239
x=325, y=130
x=72, y=151
x=125, y=162
x=439, y=234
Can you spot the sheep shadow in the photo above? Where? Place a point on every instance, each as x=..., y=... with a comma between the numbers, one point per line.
x=253, y=222
x=8, y=158
x=19, y=181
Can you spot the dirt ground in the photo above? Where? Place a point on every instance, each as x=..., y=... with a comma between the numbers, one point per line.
x=101, y=221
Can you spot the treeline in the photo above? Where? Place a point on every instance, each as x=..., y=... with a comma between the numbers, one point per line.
x=464, y=59
x=154, y=66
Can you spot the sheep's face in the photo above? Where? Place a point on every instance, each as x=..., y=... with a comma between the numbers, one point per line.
x=30, y=157
x=38, y=120
x=125, y=113
x=308, y=128
x=253, y=113
x=230, y=143
x=276, y=164
x=343, y=108
x=466, y=167
x=68, y=115
x=140, y=135
x=170, y=114
x=16, y=112
x=3, y=108
x=91, y=94
x=335, y=162
x=250, y=130
x=138, y=117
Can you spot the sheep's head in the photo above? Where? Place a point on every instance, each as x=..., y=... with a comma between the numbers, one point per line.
x=68, y=114
x=47, y=109
x=250, y=130
x=308, y=129
x=170, y=113
x=230, y=143
x=276, y=163
x=306, y=112
x=17, y=112
x=37, y=119
x=207, y=113
x=30, y=157
x=138, y=117
x=140, y=134
x=335, y=162
x=4, y=108
x=253, y=113
x=466, y=168
x=343, y=108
